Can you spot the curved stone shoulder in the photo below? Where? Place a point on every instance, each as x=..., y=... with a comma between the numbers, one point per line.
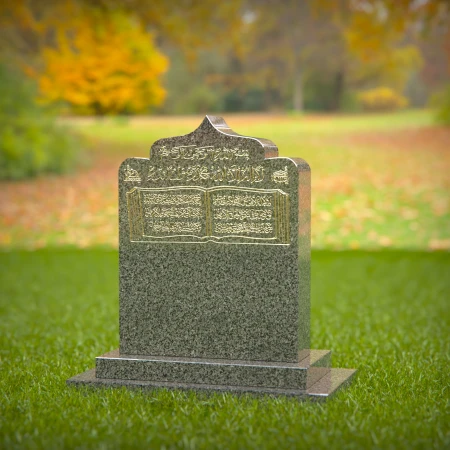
x=127, y=162
x=302, y=165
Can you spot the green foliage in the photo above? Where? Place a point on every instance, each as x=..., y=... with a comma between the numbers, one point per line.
x=187, y=91
x=252, y=99
x=350, y=102
x=30, y=141
x=382, y=99
x=201, y=99
x=383, y=313
x=440, y=101
x=318, y=93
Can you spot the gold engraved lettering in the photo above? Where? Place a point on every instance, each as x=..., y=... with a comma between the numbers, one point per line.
x=177, y=227
x=218, y=174
x=233, y=174
x=173, y=173
x=238, y=228
x=132, y=175
x=170, y=211
x=156, y=174
x=281, y=176
x=241, y=200
x=243, y=214
x=164, y=152
x=163, y=198
x=258, y=174
x=233, y=215
x=194, y=153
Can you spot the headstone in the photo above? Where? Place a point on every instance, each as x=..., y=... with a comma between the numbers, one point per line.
x=214, y=277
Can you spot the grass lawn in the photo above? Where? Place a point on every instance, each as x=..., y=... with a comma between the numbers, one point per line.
x=142, y=129
x=384, y=313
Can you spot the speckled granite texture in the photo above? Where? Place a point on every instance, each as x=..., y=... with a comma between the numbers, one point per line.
x=214, y=270
x=300, y=375
x=238, y=300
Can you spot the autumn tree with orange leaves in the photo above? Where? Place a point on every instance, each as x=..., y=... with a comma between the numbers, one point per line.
x=100, y=57
x=101, y=65
x=105, y=56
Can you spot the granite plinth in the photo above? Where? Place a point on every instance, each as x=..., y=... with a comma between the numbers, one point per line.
x=299, y=375
x=321, y=390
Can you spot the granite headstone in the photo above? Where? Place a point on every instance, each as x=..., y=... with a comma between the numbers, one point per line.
x=214, y=270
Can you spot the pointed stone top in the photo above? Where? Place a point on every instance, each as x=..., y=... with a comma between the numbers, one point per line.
x=214, y=131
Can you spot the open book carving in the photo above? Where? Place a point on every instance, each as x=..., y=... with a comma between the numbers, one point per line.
x=218, y=214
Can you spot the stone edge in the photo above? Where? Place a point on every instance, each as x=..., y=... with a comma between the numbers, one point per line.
x=311, y=368
x=320, y=391
x=309, y=358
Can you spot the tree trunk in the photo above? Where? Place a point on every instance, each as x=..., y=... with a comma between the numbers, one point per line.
x=298, y=88
x=338, y=91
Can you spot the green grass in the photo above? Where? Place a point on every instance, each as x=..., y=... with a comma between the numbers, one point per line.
x=142, y=129
x=384, y=313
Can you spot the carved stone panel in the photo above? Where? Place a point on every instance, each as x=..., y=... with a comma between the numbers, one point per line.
x=214, y=249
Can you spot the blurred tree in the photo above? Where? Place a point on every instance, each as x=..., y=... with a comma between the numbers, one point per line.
x=97, y=63
x=99, y=55
x=382, y=99
x=329, y=47
x=101, y=64
x=383, y=37
x=435, y=49
x=352, y=44
x=27, y=26
x=283, y=37
x=440, y=102
x=187, y=84
x=31, y=142
x=188, y=25
x=291, y=53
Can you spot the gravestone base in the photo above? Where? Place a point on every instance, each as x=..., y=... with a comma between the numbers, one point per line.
x=311, y=378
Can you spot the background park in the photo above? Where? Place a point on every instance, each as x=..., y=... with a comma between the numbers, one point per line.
x=360, y=89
